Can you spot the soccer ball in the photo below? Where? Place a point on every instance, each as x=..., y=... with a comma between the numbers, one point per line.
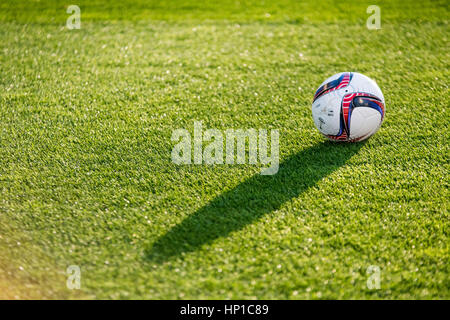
x=348, y=107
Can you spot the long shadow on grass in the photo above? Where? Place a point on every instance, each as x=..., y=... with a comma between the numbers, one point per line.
x=252, y=199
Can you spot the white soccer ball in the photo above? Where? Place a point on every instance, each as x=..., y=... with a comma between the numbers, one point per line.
x=348, y=107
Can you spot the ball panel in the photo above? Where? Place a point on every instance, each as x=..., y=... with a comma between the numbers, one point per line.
x=361, y=83
x=326, y=114
x=364, y=122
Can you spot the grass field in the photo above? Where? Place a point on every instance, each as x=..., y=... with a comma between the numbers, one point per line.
x=86, y=177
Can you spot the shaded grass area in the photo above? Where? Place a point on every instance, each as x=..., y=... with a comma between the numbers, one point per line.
x=86, y=179
x=54, y=11
x=251, y=200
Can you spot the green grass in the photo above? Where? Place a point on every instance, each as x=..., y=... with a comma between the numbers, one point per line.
x=86, y=176
x=291, y=11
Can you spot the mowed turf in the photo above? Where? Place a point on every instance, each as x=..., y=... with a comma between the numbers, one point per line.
x=86, y=176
